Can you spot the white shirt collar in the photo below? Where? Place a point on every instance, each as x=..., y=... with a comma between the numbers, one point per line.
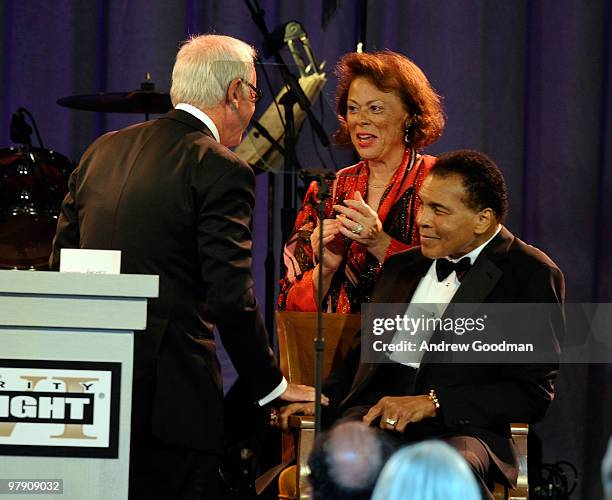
x=200, y=115
x=473, y=255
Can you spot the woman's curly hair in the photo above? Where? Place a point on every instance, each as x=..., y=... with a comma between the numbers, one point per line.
x=392, y=72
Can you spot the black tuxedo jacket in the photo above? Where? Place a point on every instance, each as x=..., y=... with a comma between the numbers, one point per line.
x=179, y=205
x=480, y=400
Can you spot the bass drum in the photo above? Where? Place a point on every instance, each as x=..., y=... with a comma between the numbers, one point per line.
x=33, y=184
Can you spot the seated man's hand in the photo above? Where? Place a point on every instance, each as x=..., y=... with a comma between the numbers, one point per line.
x=282, y=416
x=298, y=392
x=397, y=412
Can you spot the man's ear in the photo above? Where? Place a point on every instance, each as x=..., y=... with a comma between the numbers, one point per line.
x=232, y=94
x=484, y=220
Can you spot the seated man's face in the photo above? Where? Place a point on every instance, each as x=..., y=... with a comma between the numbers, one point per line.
x=447, y=226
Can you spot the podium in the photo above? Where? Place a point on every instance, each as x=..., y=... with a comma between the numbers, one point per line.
x=66, y=356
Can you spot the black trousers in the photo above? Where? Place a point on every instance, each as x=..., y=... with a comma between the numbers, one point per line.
x=163, y=471
x=478, y=458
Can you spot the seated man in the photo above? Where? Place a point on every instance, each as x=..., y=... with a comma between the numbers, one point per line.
x=465, y=256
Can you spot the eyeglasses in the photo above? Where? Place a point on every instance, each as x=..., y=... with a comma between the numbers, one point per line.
x=256, y=94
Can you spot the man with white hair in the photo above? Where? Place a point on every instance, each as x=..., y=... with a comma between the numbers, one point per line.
x=177, y=203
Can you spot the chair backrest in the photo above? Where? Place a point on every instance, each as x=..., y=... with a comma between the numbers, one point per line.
x=296, y=334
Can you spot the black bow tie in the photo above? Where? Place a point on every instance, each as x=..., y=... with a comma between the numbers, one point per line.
x=444, y=267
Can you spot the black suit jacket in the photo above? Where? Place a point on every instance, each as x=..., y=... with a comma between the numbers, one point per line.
x=179, y=205
x=480, y=400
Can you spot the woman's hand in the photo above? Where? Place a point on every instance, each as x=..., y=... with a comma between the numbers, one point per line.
x=334, y=248
x=359, y=222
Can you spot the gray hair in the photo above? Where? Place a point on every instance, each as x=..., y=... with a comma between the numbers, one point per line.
x=206, y=65
x=430, y=470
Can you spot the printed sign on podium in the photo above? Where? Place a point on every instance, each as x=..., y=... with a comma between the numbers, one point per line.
x=66, y=380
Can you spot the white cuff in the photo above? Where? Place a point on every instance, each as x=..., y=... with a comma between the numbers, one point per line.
x=280, y=388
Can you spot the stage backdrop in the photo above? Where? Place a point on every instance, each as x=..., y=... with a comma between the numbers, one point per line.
x=527, y=82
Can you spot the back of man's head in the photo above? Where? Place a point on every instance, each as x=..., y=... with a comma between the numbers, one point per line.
x=346, y=461
x=206, y=65
x=483, y=181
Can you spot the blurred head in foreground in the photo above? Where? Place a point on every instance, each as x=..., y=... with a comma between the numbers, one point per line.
x=430, y=470
x=346, y=461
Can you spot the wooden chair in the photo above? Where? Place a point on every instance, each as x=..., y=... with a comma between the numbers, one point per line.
x=296, y=333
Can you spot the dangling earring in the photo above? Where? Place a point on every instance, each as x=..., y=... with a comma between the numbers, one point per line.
x=407, y=132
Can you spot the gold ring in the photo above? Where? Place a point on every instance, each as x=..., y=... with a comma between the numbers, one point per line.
x=391, y=422
x=357, y=229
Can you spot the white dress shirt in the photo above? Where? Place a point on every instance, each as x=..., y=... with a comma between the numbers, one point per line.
x=204, y=118
x=200, y=115
x=431, y=296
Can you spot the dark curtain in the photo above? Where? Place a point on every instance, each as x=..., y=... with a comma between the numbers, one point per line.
x=527, y=82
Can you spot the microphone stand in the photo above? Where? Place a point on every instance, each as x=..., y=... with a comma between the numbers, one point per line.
x=288, y=212
x=264, y=132
x=295, y=94
x=323, y=194
x=257, y=13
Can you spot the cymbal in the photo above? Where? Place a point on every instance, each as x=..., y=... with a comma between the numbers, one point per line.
x=136, y=101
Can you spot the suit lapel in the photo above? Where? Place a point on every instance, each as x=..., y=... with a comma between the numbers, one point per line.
x=395, y=289
x=475, y=287
x=477, y=284
x=484, y=275
x=398, y=286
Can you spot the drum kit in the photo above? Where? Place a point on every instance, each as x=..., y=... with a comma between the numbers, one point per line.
x=33, y=180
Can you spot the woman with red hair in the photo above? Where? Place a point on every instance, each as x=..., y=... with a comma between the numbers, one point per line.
x=387, y=110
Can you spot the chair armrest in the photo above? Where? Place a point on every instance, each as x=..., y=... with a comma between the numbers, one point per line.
x=301, y=422
x=519, y=435
x=304, y=427
x=519, y=429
